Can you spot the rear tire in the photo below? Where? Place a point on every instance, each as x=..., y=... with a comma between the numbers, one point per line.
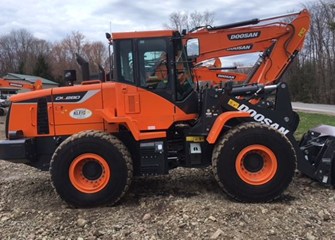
x=253, y=163
x=91, y=168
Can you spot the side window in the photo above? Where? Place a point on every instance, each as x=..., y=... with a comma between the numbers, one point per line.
x=184, y=81
x=153, y=63
x=126, y=62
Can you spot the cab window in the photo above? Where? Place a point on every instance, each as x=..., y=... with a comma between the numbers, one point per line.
x=126, y=62
x=153, y=65
x=184, y=81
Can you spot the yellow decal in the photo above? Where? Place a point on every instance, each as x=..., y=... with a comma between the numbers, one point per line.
x=195, y=139
x=302, y=32
x=233, y=103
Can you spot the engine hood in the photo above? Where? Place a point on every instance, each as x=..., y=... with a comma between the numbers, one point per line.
x=26, y=96
x=61, y=94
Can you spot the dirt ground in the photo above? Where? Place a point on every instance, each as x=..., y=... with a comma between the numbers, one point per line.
x=186, y=204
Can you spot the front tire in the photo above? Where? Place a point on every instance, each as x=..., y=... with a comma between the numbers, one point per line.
x=91, y=168
x=253, y=163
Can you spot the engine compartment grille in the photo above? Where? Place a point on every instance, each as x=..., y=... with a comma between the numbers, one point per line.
x=42, y=116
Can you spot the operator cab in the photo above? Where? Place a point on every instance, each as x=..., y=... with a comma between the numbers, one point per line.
x=156, y=61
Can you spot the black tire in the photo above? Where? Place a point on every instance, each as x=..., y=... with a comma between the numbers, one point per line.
x=91, y=168
x=253, y=163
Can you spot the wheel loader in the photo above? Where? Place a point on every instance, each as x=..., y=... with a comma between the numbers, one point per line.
x=95, y=137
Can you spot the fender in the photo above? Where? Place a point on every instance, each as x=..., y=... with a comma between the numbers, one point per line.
x=220, y=122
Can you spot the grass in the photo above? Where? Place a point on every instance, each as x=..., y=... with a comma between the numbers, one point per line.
x=311, y=120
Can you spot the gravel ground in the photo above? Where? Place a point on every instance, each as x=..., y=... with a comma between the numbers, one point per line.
x=186, y=204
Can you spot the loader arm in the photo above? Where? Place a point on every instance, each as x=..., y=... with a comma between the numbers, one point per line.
x=278, y=39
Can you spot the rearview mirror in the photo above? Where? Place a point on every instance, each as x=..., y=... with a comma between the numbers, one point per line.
x=192, y=47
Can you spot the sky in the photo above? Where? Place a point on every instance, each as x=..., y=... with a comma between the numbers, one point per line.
x=53, y=20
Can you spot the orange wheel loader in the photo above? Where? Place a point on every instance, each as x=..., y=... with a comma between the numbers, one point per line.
x=95, y=137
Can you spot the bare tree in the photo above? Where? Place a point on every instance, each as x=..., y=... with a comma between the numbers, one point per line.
x=312, y=75
x=20, y=50
x=201, y=19
x=184, y=20
x=96, y=53
x=64, y=54
x=7, y=55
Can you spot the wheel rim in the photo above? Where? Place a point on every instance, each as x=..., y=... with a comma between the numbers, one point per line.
x=256, y=165
x=89, y=173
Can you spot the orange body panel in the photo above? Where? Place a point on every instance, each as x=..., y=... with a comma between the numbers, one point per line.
x=221, y=121
x=23, y=117
x=74, y=117
x=103, y=107
x=155, y=113
x=146, y=114
x=70, y=129
x=64, y=118
x=23, y=112
x=145, y=34
x=30, y=95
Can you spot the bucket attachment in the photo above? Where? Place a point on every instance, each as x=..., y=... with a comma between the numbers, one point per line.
x=318, y=148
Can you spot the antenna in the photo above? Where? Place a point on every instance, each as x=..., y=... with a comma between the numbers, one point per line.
x=109, y=52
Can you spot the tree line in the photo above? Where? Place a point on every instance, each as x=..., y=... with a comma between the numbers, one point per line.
x=311, y=77
x=21, y=52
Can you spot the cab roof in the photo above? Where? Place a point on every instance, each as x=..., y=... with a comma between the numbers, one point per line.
x=145, y=34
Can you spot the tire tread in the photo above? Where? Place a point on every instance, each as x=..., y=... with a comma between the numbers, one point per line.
x=106, y=137
x=226, y=138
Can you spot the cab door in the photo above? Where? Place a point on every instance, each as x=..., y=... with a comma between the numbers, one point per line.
x=145, y=91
